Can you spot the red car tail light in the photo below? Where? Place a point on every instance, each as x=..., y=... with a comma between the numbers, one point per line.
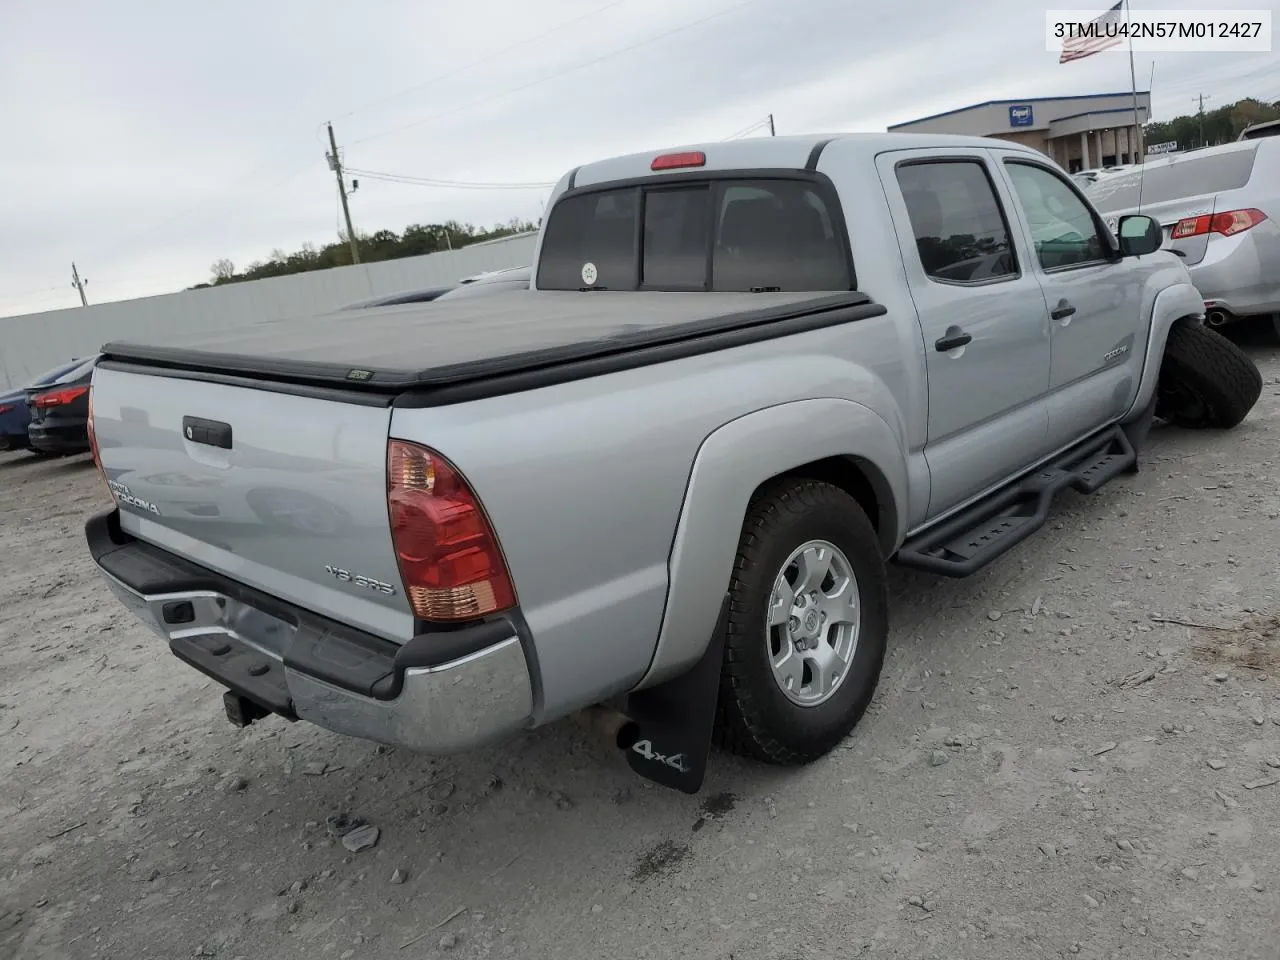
x=677, y=161
x=1228, y=223
x=93, y=448
x=450, y=561
x=5, y=407
x=58, y=398
x=1236, y=221
x=1190, y=227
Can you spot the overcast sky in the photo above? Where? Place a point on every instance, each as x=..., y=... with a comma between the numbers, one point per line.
x=147, y=138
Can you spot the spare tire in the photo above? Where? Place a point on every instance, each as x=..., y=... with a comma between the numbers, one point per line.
x=1205, y=380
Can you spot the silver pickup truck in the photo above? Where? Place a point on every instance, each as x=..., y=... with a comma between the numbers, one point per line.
x=662, y=484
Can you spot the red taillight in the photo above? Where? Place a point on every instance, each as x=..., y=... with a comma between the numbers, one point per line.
x=1228, y=224
x=59, y=398
x=450, y=561
x=93, y=448
x=5, y=407
x=674, y=161
x=93, y=437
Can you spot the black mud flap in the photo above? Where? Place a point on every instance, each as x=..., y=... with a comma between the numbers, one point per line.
x=668, y=739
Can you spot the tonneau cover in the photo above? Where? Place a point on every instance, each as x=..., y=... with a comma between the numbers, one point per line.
x=391, y=349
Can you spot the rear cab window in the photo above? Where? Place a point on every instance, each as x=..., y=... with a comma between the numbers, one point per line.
x=722, y=234
x=1184, y=177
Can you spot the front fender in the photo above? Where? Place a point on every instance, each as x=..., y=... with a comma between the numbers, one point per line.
x=1171, y=305
x=730, y=465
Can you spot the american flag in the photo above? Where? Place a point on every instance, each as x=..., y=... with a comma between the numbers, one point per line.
x=1076, y=48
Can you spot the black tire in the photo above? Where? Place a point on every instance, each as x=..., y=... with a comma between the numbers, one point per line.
x=1205, y=380
x=754, y=717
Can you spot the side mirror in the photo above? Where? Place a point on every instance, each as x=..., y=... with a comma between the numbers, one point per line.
x=1139, y=235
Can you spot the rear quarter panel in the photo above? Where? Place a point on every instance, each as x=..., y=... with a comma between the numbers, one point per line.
x=585, y=483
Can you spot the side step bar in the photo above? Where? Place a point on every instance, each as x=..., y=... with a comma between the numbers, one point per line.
x=970, y=540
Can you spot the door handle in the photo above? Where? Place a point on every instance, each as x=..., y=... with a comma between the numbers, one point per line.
x=952, y=340
x=1062, y=310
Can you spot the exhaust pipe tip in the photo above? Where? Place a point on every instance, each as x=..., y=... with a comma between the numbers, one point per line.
x=1217, y=318
x=608, y=726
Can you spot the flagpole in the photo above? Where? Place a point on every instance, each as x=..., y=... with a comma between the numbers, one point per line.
x=1133, y=85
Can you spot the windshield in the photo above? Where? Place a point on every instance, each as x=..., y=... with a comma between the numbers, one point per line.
x=1189, y=176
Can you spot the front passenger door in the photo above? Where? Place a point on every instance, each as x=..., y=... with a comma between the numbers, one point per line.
x=1094, y=301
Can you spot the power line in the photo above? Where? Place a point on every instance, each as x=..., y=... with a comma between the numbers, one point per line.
x=559, y=73
x=448, y=74
x=764, y=122
x=1219, y=78
x=447, y=184
x=413, y=180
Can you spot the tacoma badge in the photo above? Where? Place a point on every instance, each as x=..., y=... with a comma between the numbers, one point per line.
x=124, y=496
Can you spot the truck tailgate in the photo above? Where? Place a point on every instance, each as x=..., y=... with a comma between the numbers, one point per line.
x=284, y=493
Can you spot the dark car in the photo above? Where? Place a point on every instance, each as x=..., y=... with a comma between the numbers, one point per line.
x=60, y=412
x=408, y=296
x=15, y=416
x=495, y=281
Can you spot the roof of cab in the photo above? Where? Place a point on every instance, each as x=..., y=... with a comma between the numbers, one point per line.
x=777, y=153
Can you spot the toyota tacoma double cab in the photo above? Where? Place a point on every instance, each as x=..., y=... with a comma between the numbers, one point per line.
x=667, y=479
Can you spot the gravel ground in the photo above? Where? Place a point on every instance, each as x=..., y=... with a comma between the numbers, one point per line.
x=1075, y=753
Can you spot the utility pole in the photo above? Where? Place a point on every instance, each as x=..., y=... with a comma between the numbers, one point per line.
x=335, y=164
x=79, y=284
x=771, y=131
x=1202, y=99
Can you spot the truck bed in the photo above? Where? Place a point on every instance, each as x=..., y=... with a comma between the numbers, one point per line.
x=387, y=351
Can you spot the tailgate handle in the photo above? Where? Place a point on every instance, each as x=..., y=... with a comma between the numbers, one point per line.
x=214, y=433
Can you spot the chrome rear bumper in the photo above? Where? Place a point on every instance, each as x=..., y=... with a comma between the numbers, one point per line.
x=292, y=663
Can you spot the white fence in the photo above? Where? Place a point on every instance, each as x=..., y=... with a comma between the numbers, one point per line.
x=35, y=342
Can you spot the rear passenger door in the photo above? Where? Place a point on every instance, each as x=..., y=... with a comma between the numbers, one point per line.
x=1094, y=299
x=983, y=316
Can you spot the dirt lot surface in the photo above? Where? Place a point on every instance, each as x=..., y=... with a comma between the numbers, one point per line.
x=1073, y=754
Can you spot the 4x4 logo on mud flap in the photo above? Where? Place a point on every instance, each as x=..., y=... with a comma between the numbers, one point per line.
x=645, y=749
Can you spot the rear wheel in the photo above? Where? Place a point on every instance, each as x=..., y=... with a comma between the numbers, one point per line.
x=1205, y=380
x=807, y=625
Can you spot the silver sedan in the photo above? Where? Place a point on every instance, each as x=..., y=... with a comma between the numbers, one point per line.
x=1220, y=209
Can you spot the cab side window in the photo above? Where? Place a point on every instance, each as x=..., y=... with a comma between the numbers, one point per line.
x=1063, y=229
x=959, y=227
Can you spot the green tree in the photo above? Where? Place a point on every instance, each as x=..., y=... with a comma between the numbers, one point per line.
x=1220, y=126
x=416, y=240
